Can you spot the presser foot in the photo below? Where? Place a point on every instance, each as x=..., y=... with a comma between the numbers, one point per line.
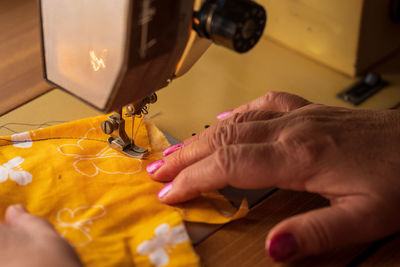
x=130, y=150
x=119, y=140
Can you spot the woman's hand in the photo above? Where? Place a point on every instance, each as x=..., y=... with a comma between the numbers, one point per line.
x=351, y=157
x=27, y=240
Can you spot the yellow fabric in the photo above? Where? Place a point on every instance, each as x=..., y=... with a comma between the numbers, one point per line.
x=101, y=201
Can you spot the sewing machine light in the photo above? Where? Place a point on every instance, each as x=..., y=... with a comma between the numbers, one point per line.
x=111, y=53
x=98, y=62
x=85, y=45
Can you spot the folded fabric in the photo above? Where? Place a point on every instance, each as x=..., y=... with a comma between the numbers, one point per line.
x=103, y=202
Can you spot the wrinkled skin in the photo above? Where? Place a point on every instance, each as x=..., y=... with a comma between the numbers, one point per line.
x=27, y=240
x=351, y=157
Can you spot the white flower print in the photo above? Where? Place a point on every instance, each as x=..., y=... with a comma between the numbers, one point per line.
x=22, y=140
x=165, y=238
x=92, y=164
x=14, y=171
x=75, y=228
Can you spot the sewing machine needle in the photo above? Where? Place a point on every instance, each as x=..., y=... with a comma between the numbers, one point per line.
x=140, y=123
x=133, y=121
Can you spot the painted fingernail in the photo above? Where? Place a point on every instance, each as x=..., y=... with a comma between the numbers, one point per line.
x=172, y=149
x=224, y=114
x=165, y=190
x=18, y=207
x=282, y=247
x=153, y=167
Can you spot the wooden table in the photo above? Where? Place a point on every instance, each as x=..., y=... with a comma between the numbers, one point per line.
x=220, y=81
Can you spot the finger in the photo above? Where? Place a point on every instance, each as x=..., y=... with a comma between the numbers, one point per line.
x=250, y=116
x=321, y=230
x=243, y=133
x=18, y=216
x=242, y=166
x=26, y=226
x=274, y=101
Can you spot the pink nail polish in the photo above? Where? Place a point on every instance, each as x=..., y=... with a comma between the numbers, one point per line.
x=282, y=247
x=153, y=167
x=165, y=190
x=224, y=114
x=172, y=149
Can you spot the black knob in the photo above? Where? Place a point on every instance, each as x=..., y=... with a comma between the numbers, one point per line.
x=235, y=24
x=372, y=79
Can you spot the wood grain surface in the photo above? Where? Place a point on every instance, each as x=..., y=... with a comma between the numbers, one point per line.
x=20, y=56
x=242, y=243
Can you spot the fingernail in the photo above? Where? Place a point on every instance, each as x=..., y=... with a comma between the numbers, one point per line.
x=153, y=167
x=282, y=247
x=172, y=149
x=224, y=114
x=165, y=190
x=18, y=207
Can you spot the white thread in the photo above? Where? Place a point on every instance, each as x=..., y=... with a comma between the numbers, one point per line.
x=79, y=225
x=104, y=153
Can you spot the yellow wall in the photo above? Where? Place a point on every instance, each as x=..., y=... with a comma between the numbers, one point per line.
x=347, y=35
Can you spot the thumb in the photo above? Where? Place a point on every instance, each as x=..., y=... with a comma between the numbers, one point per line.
x=321, y=230
x=18, y=216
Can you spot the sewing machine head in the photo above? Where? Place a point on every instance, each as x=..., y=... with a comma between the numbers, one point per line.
x=111, y=53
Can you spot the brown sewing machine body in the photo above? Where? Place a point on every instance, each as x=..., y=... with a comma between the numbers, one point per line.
x=111, y=53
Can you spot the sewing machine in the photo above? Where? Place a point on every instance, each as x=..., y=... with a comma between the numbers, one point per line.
x=118, y=53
